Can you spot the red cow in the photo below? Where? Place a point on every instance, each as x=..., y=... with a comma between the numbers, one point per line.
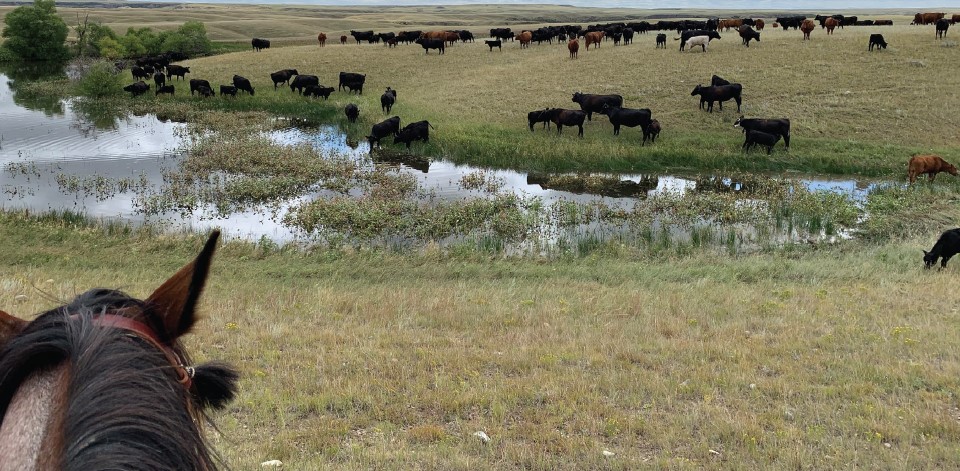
x=573, y=46
x=322, y=37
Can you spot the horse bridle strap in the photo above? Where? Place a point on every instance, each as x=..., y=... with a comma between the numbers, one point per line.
x=147, y=334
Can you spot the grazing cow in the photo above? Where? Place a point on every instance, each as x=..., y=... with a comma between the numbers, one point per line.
x=591, y=104
x=927, y=18
x=386, y=37
x=322, y=37
x=652, y=131
x=362, y=35
x=387, y=100
x=830, y=23
x=662, y=40
x=876, y=40
x=573, y=46
x=177, y=71
x=228, y=90
x=760, y=138
x=807, y=27
x=343, y=39
x=282, y=76
x=382, y=130
x=954, y=19
x=543, y=116
x=883, y=23
x=301, y=82
x=354, y=86
x=562, y=118
x=929, y=164
x=791, y=21
x=719, y=93
x=352, y=112
x=137, y=89
x=195, y=85
x=465, y=35
x=686, y=35
x=242, y=84
x=139, y=73
x=428, y=44
x=259, y=44
x=718, y=80
x=747, y=33
x=759, y=25
x=701, y=41
x=205, y=92
x=524, y=37
x=346, y=77
x=419, y=131
x=168, y=89
x=495, y=43
x=317, y=91
x=947, y=246
x=776, y=126
x=626, y=117
x=159, y=79
x=392, y=42
x=735, y=23
x=593, y=37
x=942, y=26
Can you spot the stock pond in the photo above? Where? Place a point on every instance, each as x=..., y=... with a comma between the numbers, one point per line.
x=57, y=155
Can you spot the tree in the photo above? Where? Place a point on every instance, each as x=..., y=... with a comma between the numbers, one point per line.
x=190, y=39
x=36, y=32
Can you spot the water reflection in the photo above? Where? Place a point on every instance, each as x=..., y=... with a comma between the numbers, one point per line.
x=601, y=185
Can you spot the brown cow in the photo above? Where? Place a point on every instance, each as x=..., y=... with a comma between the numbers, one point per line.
x=451, y=37
x=343, y=39
x=830, y=23
x=434, y=35
x=776, y=25
x=929, y=164
x=954, y=19
x=927, y=18
x=593, y=37
x=807, y=27
x=524, y=38
x=573, y=46
x=731, y=23
x=758, y=24
x=322, y=37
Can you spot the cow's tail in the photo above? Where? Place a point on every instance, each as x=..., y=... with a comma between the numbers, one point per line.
x=676, y=39
x=431, y=126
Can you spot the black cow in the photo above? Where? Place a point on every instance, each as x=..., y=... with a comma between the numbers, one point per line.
x=626, y=117
x=543, y=116
x=627, y=36
x=591, y=104
x=877, y=40
x=228, y=90
x=947, y=246
x=496, y=43
x=502, y=33
x=943, y=25
x=165, y=89
x=777, y=126
x=159, y=79
x=205, y=91
x=790, y=21
x=760, y=138
x=384, y=129
x=139, y=73
x=346, y=77
x=662, y=40
x=303, y=81
x=259, y=44
x=652, y=131
x=195, y=84
x=318, y=91
x=137, y=89
x=720, y=93
x=408, y=36
x=684, y=36
x=718, y=80
x=747, y=33
x=562, y=118
x=428, y=44
x=419, y=131
x=177, y=71
x=282, y=76
x=465, y=35
x=355, y=86
x=352, y=112
x=387, y=100
x=148, y=69
x=242, y=84
x=362, y=35
x=386, y=37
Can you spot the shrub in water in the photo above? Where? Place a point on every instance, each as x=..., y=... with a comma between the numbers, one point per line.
x=99, y=80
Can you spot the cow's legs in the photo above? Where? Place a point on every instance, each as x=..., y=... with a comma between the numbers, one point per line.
x=581, y=130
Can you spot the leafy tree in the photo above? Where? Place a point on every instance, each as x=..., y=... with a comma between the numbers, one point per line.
x=36, y=32
x=100, y=80
x=190, y=39
x=111, y=48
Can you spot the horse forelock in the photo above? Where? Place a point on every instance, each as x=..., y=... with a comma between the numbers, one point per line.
x=123, y=406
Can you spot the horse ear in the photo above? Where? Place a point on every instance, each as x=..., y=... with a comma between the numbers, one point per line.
x=9, y=326
x=176, y=299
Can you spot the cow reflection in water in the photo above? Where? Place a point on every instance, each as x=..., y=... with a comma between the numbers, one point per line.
x=395, y=160
x=716, y=184
x=610, y=186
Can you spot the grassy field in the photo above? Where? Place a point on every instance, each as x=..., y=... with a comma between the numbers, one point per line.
x=834, y=358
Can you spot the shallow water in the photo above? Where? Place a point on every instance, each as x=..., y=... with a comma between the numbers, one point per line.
x=54, y=154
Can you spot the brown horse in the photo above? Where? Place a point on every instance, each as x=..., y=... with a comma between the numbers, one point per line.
x=102, y=382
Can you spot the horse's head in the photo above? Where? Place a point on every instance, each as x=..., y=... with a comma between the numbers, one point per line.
x=103, y=380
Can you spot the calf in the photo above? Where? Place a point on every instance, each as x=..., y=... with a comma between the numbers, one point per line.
x=419, y=131
x=686, y=35
x=137, y=89
x=652, y=131
x=387, y=100
x=777, y=126
x=282, y=76
x=205, y=91
x=562, y=118
x=719, y=93
x=343, y=39
x=350, y=77
x=701, y=41
x=317, y=91
x=747, y=33
x=354, y=86
x=352, y=112
x=259, y=44
x=543, y=116
x=159, y=79
x=301, y=82
x=760, y=138
x=382, y=130
x=591, y=104
x=241, y=83
x=942, y=25
x=429, y=44
x=662, y=40
x=139, y=73
x=573, y=46
x=177, y=71
x=877, y=40
x=947, y=246
x=228, y=90
x=168, y=89
x=494, y=43
x=718, y=80
x=195, y=84
x=929, y=164
x=626, y=117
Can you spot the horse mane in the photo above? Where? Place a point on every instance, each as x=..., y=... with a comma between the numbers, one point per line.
x=126, y=408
